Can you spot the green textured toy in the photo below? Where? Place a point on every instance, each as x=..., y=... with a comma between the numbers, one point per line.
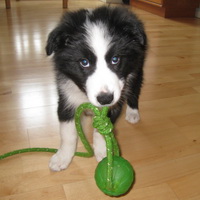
x=114, y=175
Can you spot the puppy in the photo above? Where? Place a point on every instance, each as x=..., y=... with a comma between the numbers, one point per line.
x=99, y=56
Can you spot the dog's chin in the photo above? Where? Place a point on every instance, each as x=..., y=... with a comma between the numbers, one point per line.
x=101, y=106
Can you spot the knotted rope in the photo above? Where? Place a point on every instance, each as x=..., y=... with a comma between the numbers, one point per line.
x=105, y=127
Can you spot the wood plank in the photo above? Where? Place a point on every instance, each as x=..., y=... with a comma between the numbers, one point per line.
x=186, y=187
x=89, y=191
x=50, y=193
x=157, y=173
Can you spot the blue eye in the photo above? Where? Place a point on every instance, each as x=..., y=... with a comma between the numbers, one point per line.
x=84, y=62
x=115, y=60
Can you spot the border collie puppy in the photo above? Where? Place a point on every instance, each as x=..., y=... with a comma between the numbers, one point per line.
x=99, y=56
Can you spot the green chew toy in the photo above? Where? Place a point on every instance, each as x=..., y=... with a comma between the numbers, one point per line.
x=114, y=175
x=122, y=176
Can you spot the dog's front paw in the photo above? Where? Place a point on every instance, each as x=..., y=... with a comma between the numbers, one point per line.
x=132, y=115
x=59, y=161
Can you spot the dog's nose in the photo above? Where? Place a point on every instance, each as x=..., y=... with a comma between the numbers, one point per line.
x=105, y=98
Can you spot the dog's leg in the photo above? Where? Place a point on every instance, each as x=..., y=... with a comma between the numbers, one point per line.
x=99, y=145
x=64, y=155
x=135, y=84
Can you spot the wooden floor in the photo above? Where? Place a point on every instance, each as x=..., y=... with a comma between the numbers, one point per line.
x=164, y=147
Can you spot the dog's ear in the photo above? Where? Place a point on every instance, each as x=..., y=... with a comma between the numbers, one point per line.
x=128, y=22
x=140, y=34
x=56, y=39
x=70, y=23
x=52, y=42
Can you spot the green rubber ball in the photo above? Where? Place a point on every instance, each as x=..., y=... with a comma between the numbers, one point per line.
x=123, y=176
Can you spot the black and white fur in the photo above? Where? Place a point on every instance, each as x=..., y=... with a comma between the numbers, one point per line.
x=99, y=56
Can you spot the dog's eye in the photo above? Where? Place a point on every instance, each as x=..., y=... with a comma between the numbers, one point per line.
x=115, y=60
x=84, y=62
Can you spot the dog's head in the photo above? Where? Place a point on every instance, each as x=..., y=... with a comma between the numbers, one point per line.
x=98, y=50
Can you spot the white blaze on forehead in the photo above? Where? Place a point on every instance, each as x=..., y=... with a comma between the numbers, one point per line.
x=103, y=79
x=97, y=37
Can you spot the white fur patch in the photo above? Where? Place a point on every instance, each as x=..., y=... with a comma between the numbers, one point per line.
x=103, y=79
x=63, y=157
x=99, y=145
x=132, y=115
x=97, y=37
x=72, y=93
